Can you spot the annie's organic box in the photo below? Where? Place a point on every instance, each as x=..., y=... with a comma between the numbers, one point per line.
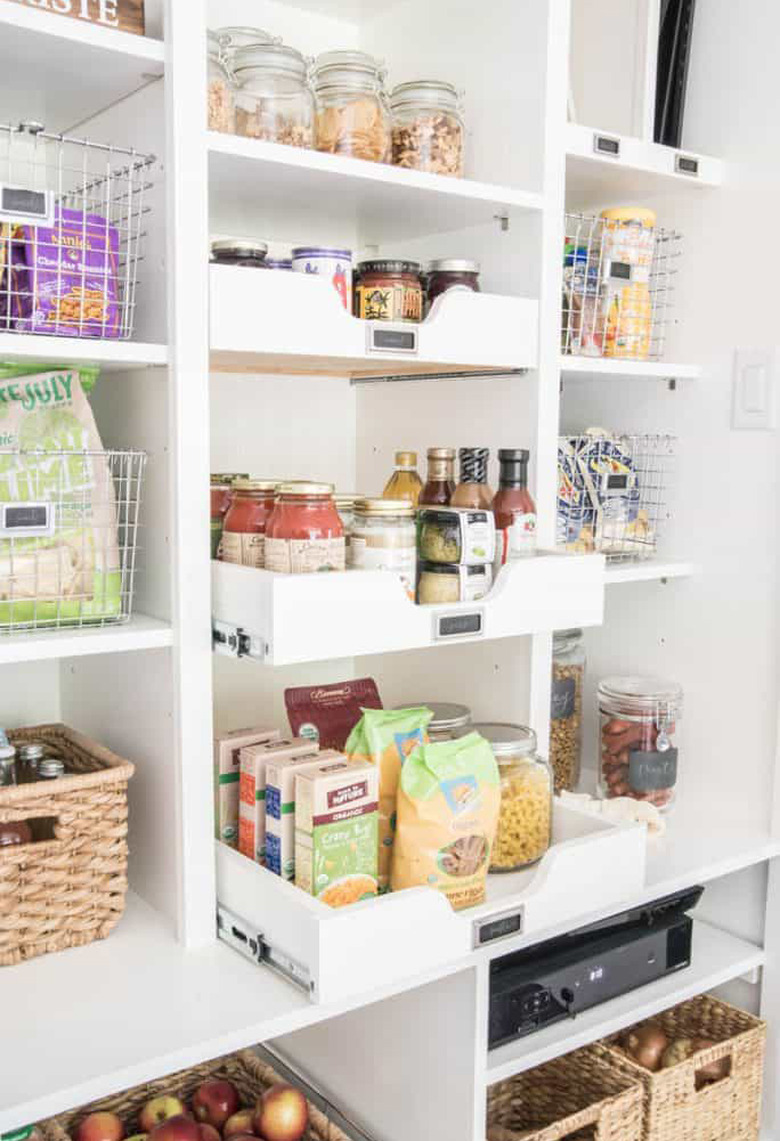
x=280, y=777
x=227, y=752
x=252, y=789
x=337, y=831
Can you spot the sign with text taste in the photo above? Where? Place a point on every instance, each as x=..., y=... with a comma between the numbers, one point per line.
x=127, y=15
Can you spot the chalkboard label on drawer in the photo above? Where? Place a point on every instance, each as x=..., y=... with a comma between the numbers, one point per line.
x=606, y=145
x=684, y=164
x=491, y=930
x=468, y=625
x=23, y=205
x=652, y=771
x=26, y=520
x=392, y=339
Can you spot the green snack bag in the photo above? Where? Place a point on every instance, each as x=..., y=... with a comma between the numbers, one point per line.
x=386, y=738
x=68, y=570
x=449, y=798
x=88, y=373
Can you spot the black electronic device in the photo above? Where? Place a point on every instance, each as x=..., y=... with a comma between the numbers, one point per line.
x=561, y=977
x=674, y=53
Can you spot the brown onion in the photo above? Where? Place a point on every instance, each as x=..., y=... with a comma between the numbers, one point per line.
x=646, y=1045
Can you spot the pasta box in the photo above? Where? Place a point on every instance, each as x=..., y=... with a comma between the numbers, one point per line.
x=253, y=806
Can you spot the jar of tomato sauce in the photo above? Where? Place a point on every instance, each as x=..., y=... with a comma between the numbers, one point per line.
x=221, y=495
x=244, y=533
x=305, y=533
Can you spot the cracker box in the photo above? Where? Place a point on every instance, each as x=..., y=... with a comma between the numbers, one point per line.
x=280, y=777
x=337, y=831
x=227, y=753
x=252, y=788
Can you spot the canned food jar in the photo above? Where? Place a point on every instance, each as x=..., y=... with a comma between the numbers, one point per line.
x=389, y=290
x=443, y=583
x=524, y=831
x=449, y=720
x=305, y=534
x=384, y=537
x=329, y=263
x=353, y=117
x=452, y=273
x=244, y=531
x=221, y=89
x=229, y=251
x=568, y=680
x=274, y=101
x=457, y=535
x=345, y=505
x=428, y=127
x=638, y=723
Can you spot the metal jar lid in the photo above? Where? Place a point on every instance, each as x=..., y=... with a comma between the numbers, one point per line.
x=250, y=485
x=300, y=487
x=384, y=507
x=233, y=38
x=50, y=768
x=447, y=715
x=31, y=753
x=425, y=91
x=240, y=248
x=453, y=265
x=507, y=740
x=389, y=265
x=227, y=477
x=640, y=696
x=350, y=69
x=275, y=58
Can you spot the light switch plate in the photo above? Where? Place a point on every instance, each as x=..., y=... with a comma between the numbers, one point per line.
x=754, y=391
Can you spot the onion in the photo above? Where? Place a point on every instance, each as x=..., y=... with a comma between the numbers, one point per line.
x=646, y=1045
x=679, y=1051
x=713, y=1071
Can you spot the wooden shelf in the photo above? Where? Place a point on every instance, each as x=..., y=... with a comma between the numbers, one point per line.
x=51, y=352
x=598, y=367
x=717, y=958
x=390, y=203
x=140, y=633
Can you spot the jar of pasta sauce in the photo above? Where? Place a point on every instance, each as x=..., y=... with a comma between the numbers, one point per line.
x=389, y=290
x=244, y=533
x=221, y=495
x=305, y=533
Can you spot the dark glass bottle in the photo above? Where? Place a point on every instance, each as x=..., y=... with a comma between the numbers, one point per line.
x=473, y=490
x=440, y=484
x=514, y=508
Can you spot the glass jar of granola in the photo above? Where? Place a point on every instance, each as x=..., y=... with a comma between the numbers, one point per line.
x=428, y=127
x=221, y=97
x=568, y=679
x=353, y=117
x=274, y=101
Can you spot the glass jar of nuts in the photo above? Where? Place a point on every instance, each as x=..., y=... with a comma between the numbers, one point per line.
x=639, y=721
x=568, y=677
x=428, y=127
x=274, y=101
x=525, y=821
x=353, y=117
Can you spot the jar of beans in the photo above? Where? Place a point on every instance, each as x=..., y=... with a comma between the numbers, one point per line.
x=639, y=718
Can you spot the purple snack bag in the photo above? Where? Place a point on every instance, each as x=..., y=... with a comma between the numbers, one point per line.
x=72, y=267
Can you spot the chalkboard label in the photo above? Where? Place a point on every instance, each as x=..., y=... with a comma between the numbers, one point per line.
x=652, y=771
x=564, y=693
x=501, y=928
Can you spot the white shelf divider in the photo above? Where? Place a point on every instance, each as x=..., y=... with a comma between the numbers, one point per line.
x=112, y=356
x=140, y=633
x=596, y=367
x=717, y=958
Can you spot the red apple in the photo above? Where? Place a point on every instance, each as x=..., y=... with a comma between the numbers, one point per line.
x=241, y=1122
x=100, y=1127
x=208, y=1132
x=282, y=1114
x=179, y=1128
x=159, y=1109
x=138, y=1137
x=214, y=1102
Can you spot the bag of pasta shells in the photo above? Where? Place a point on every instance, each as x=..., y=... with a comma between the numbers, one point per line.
x=448, y=803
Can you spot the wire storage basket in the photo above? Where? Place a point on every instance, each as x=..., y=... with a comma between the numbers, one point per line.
x=68, y=537
x=613, y=493
x=71, y=230
x=618, y=285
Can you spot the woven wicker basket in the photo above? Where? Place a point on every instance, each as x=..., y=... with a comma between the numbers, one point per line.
x=576, y=1097
x=250, y=1075
x=675, y=1110
x=70, y=889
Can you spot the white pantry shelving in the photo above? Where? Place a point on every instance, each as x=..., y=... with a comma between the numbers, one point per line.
x=140, y=633
x=651, y=570
x=286, y=619
x=112, y=356
x=573, y=368
x=463, y=332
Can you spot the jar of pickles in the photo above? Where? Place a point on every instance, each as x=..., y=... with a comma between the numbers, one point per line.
x=639, y=719
x=244, y=532
x=274, y=101
x=525, y=821
x=353, y=117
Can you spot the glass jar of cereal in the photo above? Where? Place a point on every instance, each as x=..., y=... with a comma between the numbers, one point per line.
x=525, y=822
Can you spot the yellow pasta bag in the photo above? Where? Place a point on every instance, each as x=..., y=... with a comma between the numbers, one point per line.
x=386, y=738
x=449, y=798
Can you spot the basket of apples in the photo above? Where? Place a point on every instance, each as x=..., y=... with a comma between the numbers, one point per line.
x=236, y=1098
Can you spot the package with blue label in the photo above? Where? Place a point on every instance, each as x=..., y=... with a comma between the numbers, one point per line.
x=253, y=791
x=280, y=773
x=385, y=738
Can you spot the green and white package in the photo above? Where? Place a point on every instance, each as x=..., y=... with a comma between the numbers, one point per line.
x=51, y=454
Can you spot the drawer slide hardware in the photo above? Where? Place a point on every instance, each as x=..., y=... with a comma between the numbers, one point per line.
x=250, y=943
x=234, y=642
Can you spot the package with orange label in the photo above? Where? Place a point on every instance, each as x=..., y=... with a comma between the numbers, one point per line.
x=336, y=831
x=448, y=805
x=386, y=737
x=252, y=789
x=227, y=771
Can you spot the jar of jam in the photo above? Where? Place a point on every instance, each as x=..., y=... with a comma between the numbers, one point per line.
x=389, y=290
x=305, y=533
x=229, y=251
x=452, y=273
x=244, y=534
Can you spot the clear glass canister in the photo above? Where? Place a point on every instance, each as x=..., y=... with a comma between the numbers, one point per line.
x=428, y=127
x=449, y=721
x=274, y=101
x=384, y=537
x=525, y=822
x=568, y=679
x=221, y=105
x=639, y=719
x=353, y=117
x=345, y=505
